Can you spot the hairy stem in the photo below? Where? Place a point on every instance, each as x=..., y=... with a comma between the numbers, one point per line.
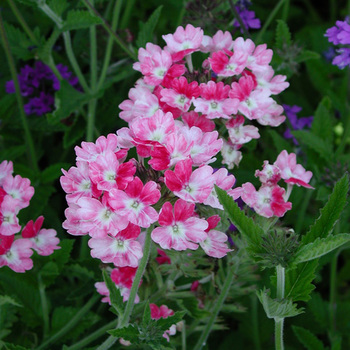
x=124, y=320
x=239, y=19
x=216, y=309
x=279, y=322
x=108, y=28
x=28, y=137
x=44, y=306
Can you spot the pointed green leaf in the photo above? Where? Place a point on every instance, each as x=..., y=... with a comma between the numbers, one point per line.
x=114, y=294
x=78, y=19
x=165, y=323
x=245, y=225
x=191, y=306
x=283, y=36
x=58, y=6
x=147, y=29
x=322, y=123
x=5, y=299
x=320, y=247
x=330, y=213
x=307, y=55
x=298, y=281
x=62, y=256
x=45, y=50
x=130, y=333
x=53, y=172
x=314, y=142
x=309, y=340
x=146, y=319
x=275, y=308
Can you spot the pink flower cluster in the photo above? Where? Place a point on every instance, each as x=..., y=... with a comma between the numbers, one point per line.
x=15, y=252
x=109, y=202
x=163, y=311
x=271, y=199
x=233, y=88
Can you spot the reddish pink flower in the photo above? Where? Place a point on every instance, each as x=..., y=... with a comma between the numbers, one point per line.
x=190, y=186
x=179, y=230
x=200, y=121
x=135, y=202
x=163, y=257
x=239, y=133
x=163, y=312
x=270, y=174
x=6, y=170
x=8, y=217
x=19, y=190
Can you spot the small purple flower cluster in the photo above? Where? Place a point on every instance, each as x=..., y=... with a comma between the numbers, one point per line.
x=39, y=84
x=340, y=35
x=296, y=123
x=248, y=17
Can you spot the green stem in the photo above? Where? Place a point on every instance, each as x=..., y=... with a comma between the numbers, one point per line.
x=285, y=10
x=215, y=311
x=67, y=43
x=130, y=6
x=333, y=290
x=11, y=62
x=269, y=20
x=95, y=335
x=239, y=19
x=44, y=306
x=108, y=28
x=279, y=322
x=124, y=320
x=255, y=321
x=116, y=14
x=22, y=22
x=72, y=323
x=183, y=335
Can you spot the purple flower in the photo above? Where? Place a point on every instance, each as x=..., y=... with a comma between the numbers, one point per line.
x=39, y=84
x=340, y=35
x=248, y=17
x=296, y=123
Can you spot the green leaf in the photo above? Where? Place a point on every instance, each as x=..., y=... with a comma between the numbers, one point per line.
x=62, y=256
x=147, y=29
x=33, y=3
x=5, y=299
x=78, y=19
x=330, y=213
x=298, y=281
x=309, y=340
x=315, y=142
x=68, y=100
x=114, y=294
x=275, y=308
x=244, y=224
x=165, y=323
x=45, y=50
x=53, y=172
x=58, y=6
x=75, y=133
x=283, y=36
x=146, y=319
x=307, y=55
x=13, y=152
x=19, y=42
x=9, y=346
x=280, y=142
x=130, y=333
x=322, y=123
x=49, y=272
x=320, y=247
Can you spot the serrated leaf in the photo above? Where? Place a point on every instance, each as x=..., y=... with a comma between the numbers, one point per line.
x=283, y=36
x=45, y=50
x=165, y=323
x=114, y=294
x=244, y=224
x=298, y=285
x=320, y=247
x=62, y=256
x=307, y=55
x=5, y=299
x=20, y=43
x=275, y=308
x=9, y=346
x=58, y=6
x=13, y=152
x=78, y=19
x=330, y=213
x=146, y=318
x=49, y=272
x=314, y=142
x=322, y=123
x=309, y=340
x=147, y=29
x=53, y=172
x=130, y=333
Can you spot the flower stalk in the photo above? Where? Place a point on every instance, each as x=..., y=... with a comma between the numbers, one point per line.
x=279, y=322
